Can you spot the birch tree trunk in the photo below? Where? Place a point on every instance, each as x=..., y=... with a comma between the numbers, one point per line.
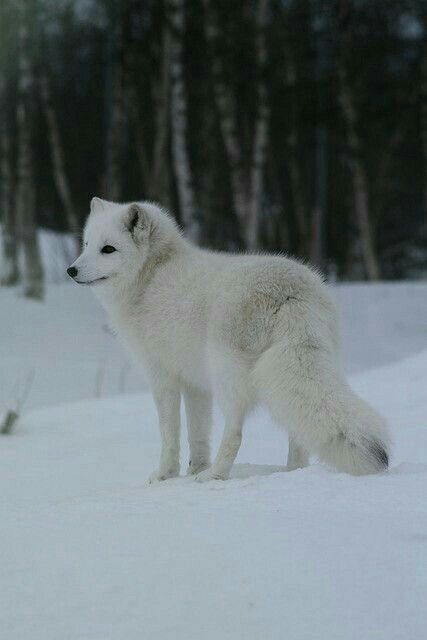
x=33, y=276
x=179, y=119
x=10, y=271
x=57, y=153
x=247, y=183
x=359, y=175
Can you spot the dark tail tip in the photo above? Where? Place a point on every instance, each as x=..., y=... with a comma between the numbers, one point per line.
x=379, y=454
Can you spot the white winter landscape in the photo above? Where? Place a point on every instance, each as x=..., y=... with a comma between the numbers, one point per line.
x=90, y=551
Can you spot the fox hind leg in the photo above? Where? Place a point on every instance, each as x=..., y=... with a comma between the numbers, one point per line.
x=304, y=390
x=234, y=395
x=298, y=457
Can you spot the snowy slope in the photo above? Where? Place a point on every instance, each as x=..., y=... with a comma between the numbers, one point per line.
x=381, y=322
x=88, y=551
x=65, y=342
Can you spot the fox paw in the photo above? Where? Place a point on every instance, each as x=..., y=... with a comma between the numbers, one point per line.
x=196, y=467
x=163, y=474
x=210, y=474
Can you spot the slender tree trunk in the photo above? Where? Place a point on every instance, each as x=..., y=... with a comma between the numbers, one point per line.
x=297, y=193
x=179, y=120
x=132, y=106
x=227, y=118
x=385, y=167
x=141, y=147
x=153, y=158
x=424, y=113
x=318, y=214
x=293, y=144
x=57, y=153
x=260, y=143
x=33, y=275
x=10, y=271
x=360, y=184
x=161, y=175
x=113, y=177
x=359, y=175
x=216, y=231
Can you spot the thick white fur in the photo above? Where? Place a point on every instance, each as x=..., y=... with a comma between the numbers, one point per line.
x=247, y=329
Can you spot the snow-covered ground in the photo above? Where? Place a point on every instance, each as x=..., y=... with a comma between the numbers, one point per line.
x=65, y=345
x=89, y=551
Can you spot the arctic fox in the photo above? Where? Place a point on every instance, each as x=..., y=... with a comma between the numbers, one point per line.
x=247, y=329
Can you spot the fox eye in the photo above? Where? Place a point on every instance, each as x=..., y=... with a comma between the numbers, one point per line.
x=108, y=249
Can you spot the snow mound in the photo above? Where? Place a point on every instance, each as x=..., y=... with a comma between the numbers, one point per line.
x=90, y=551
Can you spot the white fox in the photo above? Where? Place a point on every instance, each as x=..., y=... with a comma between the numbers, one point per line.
x=246, y=329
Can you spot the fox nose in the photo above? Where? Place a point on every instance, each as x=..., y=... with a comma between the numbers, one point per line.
x=72, y=272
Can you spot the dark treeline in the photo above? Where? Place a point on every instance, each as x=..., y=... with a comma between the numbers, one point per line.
x=280, y=125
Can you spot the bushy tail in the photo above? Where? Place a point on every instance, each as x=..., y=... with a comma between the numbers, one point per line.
x=361, y=446
x=305, y=392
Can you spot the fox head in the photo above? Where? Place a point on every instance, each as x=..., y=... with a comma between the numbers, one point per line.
x=118, y=239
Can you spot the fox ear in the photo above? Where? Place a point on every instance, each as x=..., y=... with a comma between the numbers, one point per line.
x=136, y=220
x=96, y=204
